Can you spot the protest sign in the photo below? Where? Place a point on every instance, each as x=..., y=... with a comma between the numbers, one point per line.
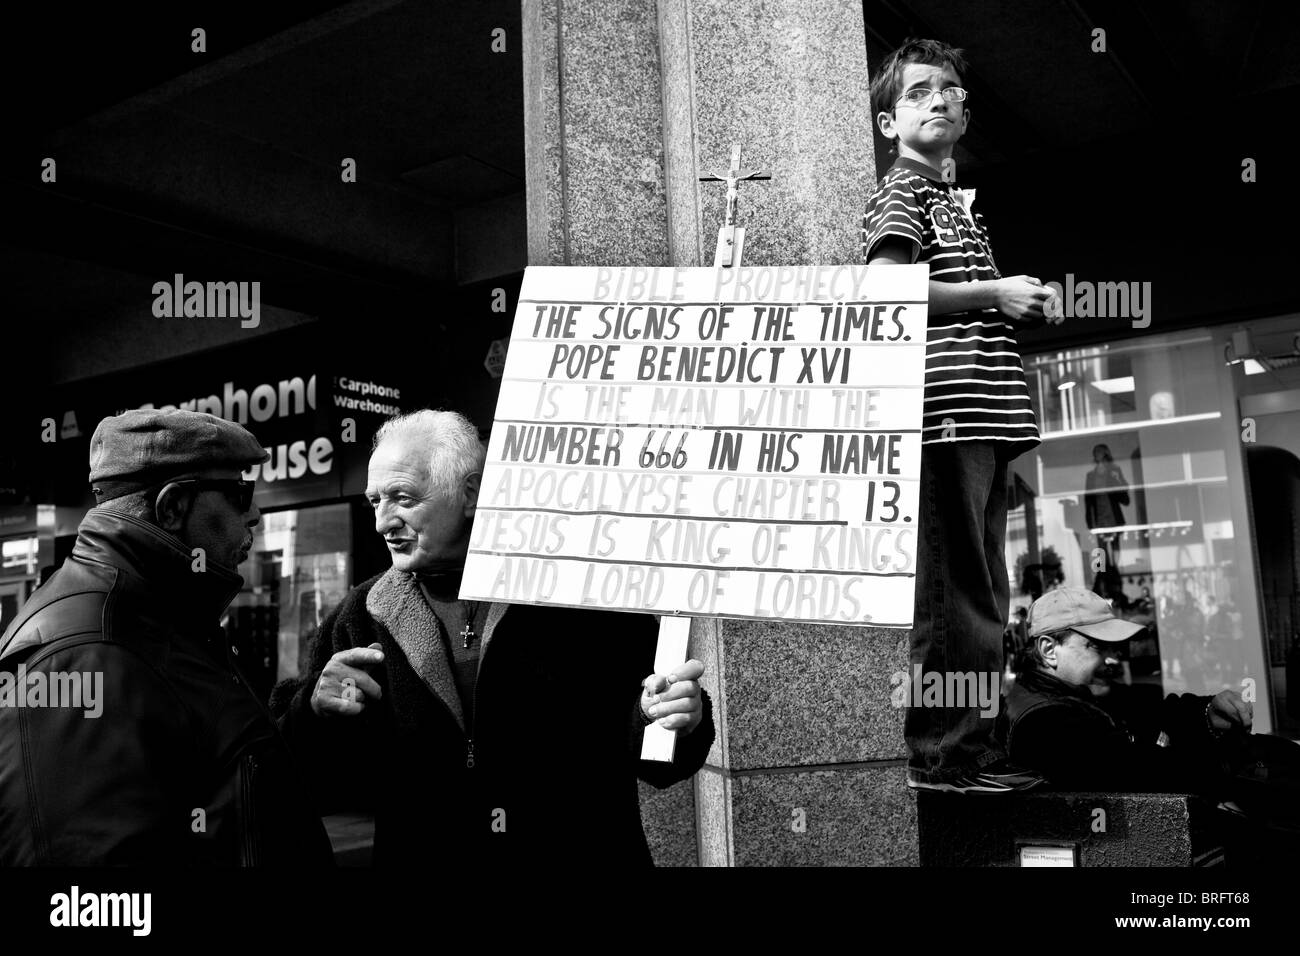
x=739, y=443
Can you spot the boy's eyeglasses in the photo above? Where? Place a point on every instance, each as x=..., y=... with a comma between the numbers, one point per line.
x=239, y=491
x=920, y=97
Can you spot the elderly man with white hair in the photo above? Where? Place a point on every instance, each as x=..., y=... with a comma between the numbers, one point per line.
x=481, y=732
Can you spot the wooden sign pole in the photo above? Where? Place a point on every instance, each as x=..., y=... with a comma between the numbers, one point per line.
x=674, y=631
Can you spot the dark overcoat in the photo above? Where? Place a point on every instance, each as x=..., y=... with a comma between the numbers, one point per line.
x=546, y=772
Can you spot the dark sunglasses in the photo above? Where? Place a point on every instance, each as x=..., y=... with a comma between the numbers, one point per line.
x=239, y=491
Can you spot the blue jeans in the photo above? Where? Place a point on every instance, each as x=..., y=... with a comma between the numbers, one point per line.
x=962, y=595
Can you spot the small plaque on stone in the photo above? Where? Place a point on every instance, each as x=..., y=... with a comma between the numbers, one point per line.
x=1051, y=855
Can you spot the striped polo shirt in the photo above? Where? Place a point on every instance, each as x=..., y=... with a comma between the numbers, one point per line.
x=974, y=380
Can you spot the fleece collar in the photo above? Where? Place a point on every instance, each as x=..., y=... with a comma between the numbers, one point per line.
x=397, y=603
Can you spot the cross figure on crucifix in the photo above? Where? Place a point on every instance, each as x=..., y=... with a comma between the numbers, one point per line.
x=729, y=236
x=467, y=635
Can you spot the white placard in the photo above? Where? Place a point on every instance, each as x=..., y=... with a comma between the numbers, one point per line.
x=740, y=443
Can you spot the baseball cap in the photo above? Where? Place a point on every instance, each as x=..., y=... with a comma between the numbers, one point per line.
x=145, y=447
x=1081, y=610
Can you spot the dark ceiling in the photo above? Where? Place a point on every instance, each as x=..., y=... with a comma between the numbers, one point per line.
x=228, y=162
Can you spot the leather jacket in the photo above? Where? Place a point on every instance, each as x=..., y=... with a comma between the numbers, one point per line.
x=182, y=765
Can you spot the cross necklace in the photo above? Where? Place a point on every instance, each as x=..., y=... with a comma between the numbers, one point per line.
x=467, y=633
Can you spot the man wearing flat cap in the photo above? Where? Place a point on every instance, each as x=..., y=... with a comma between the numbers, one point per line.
x=1055, y=725
x=165, y=756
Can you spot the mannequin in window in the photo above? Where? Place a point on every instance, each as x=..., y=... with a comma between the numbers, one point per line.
x=1106, y=494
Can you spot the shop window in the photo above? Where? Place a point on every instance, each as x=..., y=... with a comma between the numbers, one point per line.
x=20, y=554
x=298, y=571
x=1133, y=494
x=11, y=598
x=1265, y=359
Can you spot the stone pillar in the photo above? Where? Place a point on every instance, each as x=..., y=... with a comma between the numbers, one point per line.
x=627, y=103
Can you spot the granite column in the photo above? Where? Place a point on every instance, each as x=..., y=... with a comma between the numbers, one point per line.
x=627, y=103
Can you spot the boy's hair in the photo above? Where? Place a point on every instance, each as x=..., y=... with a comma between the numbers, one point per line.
x=886, y=87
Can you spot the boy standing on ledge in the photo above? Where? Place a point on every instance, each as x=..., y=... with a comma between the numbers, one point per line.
x=977, y=415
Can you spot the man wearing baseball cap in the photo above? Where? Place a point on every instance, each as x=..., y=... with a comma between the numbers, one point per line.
x=163, y=755
x=1054, y=725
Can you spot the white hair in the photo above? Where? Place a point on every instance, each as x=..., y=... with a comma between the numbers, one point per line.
x=455, y=451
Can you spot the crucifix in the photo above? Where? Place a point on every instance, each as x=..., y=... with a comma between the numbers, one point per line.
x=674, y=630
x=731, y=238
x=467, y=633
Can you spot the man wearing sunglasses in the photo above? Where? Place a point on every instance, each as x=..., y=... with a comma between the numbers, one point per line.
x=167, y=757
x=1060, y=728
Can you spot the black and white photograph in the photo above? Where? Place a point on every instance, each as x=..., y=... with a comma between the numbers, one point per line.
x=463, y=455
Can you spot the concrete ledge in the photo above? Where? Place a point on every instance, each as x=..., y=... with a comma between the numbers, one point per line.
x=859, y=815
x=1108, y=829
